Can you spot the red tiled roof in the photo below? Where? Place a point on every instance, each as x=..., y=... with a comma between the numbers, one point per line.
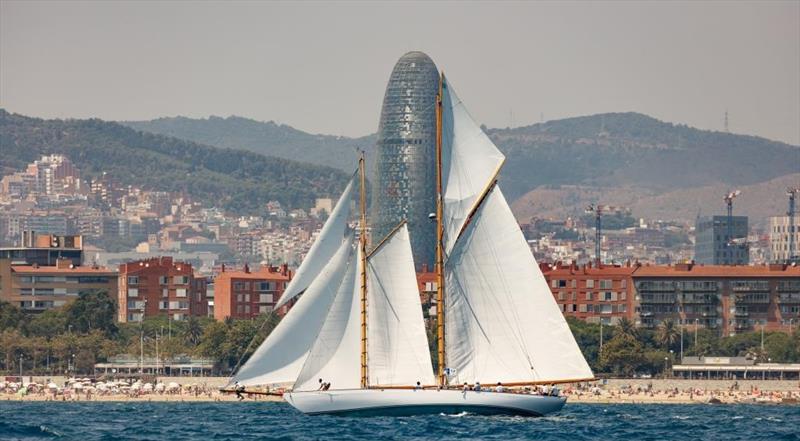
x=716, y=271
x=261, y=274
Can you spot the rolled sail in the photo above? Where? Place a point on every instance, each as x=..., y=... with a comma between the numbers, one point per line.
x=280, y=357
x=323, y=249
x=397, y=346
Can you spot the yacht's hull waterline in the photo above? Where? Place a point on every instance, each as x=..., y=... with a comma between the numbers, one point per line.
x=393, y=402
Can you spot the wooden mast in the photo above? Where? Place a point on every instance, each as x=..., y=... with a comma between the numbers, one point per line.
x=439, y=241
x=362, y=244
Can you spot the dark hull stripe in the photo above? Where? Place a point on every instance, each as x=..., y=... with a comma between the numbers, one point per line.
x=423, y=409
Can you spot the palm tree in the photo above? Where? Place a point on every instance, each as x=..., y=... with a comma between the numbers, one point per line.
x=193, y=331
x=627, y=327
x=668, y=334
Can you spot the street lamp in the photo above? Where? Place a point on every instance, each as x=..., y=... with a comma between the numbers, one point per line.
x=696, y=324
x=20, y=367
x=666, y=359
x=762, y=338
x=681, y=343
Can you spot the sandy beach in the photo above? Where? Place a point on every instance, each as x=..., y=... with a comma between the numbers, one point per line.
x=617, y=391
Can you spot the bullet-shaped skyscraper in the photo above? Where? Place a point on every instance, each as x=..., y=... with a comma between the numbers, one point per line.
x=406, y=155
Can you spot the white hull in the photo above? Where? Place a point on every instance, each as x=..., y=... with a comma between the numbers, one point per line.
x=415, y=402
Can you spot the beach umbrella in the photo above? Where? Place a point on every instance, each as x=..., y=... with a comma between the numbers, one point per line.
x=147, y=386
x=52, y=385
x=173, y=385
x=77, y=386
x=160, y=387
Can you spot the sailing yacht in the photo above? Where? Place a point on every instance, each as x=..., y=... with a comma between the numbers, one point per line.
x=355, y=341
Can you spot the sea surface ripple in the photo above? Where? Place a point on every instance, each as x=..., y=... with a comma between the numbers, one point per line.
x=279, y=421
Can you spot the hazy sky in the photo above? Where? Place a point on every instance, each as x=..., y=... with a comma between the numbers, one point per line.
x=322, y=67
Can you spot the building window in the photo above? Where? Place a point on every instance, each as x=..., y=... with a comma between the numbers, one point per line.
x=589, y=283
x=180, y=280
x=180, y=292
x=264, y=286
x=133, y=292
x=133, y=280
x=562, y=296
x=165, y=292
x=163, y=280
x=265, y=298
x=589, y=295
x=574, y=283
x=606, y=284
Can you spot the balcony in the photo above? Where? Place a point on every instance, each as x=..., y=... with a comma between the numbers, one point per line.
x=739, y=313
x=789, y=299
x=739, y=299
x=690, y=300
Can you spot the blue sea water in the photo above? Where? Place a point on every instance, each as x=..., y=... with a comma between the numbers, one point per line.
x=279, y=421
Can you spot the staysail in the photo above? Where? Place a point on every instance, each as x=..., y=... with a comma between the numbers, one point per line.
x=326, y=245
x=502, y=323
x=398, y=351
x=334, y=356
x=281, y=356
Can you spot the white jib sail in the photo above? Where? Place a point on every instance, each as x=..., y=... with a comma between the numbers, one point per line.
x=502, y=321
x=323, y=249
x=470, y=161
x=335, y=356
x=281, y=356
x=397, y=346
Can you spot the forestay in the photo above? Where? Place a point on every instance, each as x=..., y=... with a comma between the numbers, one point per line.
x=502, y=321
x=397, y=345
x=470, y=161
x=323, y=249
x=335, y=355
x=281, y=356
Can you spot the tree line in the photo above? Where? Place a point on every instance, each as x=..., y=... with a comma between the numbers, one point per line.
x=71, y=339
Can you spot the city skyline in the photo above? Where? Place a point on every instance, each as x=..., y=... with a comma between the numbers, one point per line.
x=690, y=63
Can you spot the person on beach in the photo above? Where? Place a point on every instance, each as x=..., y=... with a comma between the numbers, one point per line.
x=499, y=388
x=477, y=386
x=321, y=385
x=466, y=387
x=418, y=386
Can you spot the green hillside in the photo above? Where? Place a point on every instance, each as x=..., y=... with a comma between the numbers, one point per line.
x=267, y=138
x=609, y=150
x=235, y=180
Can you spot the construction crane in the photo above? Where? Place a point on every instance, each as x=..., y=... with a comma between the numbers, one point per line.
x=598, y=213
x=792, y=193
x=729, y=202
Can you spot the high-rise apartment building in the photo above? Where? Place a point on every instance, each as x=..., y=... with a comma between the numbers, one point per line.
x=405, y=172
x=716, y=244
x=784, y=235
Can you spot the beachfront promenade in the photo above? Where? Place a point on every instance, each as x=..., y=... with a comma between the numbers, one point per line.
x=614, y=391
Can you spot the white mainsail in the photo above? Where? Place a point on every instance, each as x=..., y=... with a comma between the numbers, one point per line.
x=335, y=355
x=323, y=249
x=502, y=323
x=281, y=356
x=397, y=345
x=470, y=161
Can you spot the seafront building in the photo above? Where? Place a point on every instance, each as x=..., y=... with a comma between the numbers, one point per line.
x=160, y=286
x=245, y=294
x=405, y=172
x=730, y=299
x=47, y=272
